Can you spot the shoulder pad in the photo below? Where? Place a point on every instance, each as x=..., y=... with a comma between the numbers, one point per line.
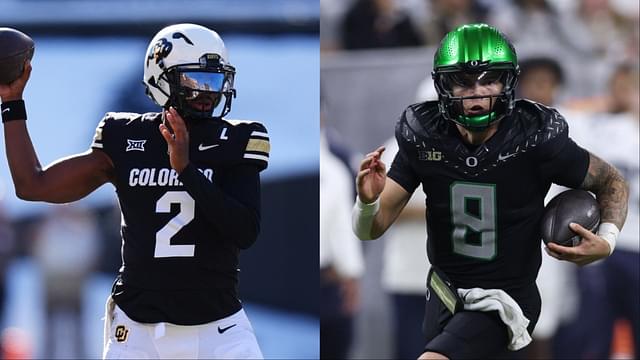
x=420, y=122
x=236, y=122
x=257, y=148
x=539, y=121
x=113, y=120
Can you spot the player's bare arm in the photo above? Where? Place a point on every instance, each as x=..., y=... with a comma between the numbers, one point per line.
x=65, y=180
x=612, y=193
x=372, y=184
x=610, y=188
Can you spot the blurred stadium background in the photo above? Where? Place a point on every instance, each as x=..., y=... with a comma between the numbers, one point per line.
x=58, y=262
x=376, y=59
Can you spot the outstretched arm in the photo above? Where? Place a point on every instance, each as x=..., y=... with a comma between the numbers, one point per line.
x=379, y=201
x=612, y=193
x=65, y=180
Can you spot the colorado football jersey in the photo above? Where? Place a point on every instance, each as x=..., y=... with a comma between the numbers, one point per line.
x=484, y=202
x=177, y=266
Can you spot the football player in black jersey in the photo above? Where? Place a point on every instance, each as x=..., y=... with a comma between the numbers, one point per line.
x=485, y=162
x=188, y=185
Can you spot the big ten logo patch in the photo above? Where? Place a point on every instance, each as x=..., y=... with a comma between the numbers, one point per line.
x=121, y=333
x=429, y=155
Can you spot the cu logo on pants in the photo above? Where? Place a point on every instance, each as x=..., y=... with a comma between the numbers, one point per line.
x=121, y=333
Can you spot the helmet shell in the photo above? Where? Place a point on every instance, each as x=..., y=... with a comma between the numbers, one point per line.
x=475, y=48
x=175, y=45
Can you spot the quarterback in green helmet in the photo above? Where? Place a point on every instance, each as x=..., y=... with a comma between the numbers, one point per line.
x=485, y=162
x=491, y=65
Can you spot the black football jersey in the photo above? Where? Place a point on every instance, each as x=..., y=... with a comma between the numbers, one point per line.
x=178, y=265
x=484, y=203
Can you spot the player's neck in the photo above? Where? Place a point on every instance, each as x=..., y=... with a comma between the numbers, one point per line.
x=477, y=137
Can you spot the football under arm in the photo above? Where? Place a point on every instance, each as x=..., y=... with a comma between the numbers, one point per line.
x=231, y=204
x=391, y=202
x=65, y=180
x=610, y=188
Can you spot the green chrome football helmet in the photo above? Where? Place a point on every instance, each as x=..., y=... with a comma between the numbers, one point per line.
x=472, y=53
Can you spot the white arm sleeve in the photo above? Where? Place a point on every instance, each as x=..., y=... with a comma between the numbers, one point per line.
x=362, y=218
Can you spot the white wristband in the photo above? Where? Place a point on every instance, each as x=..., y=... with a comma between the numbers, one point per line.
x=609, y=232
x=362, y=218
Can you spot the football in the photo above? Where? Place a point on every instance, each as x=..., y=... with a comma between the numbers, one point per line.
x=577, y=206
x=15, y=48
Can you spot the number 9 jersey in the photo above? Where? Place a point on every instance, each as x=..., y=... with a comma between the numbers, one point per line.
x=484, y=202
x=181, y=233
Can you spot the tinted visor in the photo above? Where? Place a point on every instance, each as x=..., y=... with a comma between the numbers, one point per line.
x=470, y=79
x=202, y=81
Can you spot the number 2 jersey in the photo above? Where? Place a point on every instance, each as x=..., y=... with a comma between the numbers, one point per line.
x=181, y=233
x=484, y=203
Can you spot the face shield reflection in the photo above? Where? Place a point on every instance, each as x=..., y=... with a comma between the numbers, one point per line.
x=202, y=81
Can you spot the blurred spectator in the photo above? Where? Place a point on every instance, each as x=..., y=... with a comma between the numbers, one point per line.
x=404, y=272
x=609, y=290
x=378, y=24
x=447, y=15
x=7, y=249
x=589, y=300
x=605, y=27
x=66, y=249
x=540, y=80
x=405, y=262
x=331, y=14
x=623, y=91
x=538, y=24
x=341, y=260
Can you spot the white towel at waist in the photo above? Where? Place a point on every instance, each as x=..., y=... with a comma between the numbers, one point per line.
x=478, y=299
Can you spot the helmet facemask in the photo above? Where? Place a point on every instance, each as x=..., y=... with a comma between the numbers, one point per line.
x=209, y=82
x=451, y=106
x=474, y=55
x=187, y=66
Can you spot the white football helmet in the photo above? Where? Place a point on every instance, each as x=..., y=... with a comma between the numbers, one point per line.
x=184, y=61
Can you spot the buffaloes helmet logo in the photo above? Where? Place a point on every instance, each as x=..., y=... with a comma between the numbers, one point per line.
x=159, y=51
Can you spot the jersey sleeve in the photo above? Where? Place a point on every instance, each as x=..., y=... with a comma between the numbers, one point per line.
x=561, y=160
x=232, y=206
x=105, y=135
x=99, y=136
x=256, y=151
x=401, y=170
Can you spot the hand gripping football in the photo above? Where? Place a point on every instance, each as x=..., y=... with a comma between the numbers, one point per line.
x=577, y=206
x=15, y=49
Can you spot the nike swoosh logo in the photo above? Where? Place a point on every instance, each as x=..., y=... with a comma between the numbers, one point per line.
x=220, y=331
x=505, y=157
x=202, y=147
x=5, y=110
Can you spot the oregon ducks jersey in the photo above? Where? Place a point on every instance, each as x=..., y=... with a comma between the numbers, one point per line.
x=484, y=202
x=177, y=267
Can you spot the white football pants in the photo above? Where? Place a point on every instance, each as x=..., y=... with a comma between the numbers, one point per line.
x=228, y=338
